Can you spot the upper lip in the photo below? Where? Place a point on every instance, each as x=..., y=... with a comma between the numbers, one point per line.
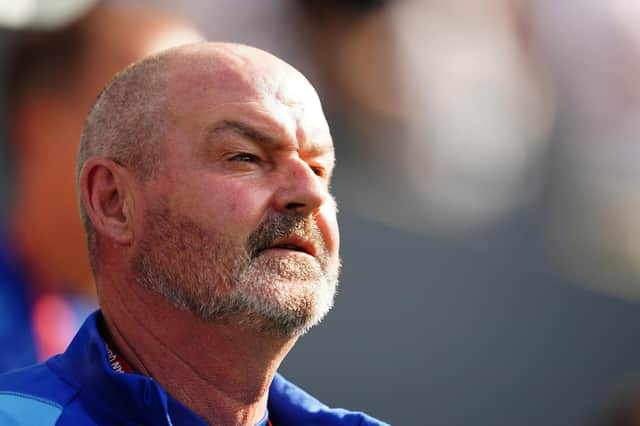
x=299, y=243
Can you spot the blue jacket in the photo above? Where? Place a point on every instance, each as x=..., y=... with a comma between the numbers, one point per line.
x=17, y=346
x=18, y=295
x=79, y=387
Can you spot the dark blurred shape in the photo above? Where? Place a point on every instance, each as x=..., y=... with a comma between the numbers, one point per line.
x=355, y=5
x=623, y=410
x=46, y=61
x=53, y=77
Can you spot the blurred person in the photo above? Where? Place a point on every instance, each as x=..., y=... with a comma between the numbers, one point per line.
x=444, y=99
x=45, y=280
x=203, y=178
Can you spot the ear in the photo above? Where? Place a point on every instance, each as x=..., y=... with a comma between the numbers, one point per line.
x=107, y=199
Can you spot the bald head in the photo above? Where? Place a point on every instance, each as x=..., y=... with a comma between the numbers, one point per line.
x=133, y=114
x=143, y=105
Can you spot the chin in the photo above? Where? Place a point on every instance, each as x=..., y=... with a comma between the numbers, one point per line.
x=287, y=306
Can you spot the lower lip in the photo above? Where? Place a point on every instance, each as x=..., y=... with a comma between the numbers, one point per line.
x=286, y=251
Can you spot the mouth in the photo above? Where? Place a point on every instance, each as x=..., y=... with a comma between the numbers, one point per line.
x=294, y=244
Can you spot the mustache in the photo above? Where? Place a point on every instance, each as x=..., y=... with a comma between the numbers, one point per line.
x=278, y=226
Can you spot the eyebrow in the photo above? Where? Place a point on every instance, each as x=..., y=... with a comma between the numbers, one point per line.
x=258, y=136
x=242, y=130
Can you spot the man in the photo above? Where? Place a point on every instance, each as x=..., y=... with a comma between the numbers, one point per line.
x=203, y=176
x=53, y=78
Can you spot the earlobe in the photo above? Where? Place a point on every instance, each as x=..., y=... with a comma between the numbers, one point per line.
x=104, y=195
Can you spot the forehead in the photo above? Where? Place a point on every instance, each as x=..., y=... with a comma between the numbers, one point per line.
x=263, y=91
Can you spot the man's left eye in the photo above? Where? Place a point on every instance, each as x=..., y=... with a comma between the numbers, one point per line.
x=245, y=157
x=319, y=171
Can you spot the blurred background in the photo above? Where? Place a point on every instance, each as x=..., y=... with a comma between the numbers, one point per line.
x=488, y=177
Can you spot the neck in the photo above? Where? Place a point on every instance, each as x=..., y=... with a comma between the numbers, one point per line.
x=221, y=371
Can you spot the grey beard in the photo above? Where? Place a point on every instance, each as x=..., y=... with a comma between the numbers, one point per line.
x=217, y=279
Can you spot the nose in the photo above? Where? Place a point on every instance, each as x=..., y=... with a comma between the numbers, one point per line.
x=300, y=190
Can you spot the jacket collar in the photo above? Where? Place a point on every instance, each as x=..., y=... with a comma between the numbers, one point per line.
x=123, y=398
x=119, y=397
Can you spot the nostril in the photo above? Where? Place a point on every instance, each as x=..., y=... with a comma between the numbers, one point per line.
x=294, y=206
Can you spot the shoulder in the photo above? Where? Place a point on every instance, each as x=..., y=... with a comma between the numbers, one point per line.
x=289, y=404
x=34, y=395
x=25, y=409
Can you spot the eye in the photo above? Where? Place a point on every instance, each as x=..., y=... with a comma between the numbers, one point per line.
x=319, y=171
x=245, y=157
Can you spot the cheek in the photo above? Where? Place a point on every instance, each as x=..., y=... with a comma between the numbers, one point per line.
x=234, y=207
x=328, y=223
x=229, y=207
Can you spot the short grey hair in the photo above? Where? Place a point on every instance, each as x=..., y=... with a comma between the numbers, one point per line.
x=126, y=124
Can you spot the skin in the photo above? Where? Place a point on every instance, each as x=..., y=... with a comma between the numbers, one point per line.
x=46, y=129
x=222, y=180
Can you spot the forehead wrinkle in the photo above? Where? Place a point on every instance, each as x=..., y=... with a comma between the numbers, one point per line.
x=231, y=78
x=240, y=129
x=315, y=146
x=263, y=138
x=314, y=149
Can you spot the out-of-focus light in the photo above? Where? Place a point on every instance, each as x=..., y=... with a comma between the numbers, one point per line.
x=41, y=14
x=593, y=231
x=627, y=14
x=593, y=226
x=481, y=115
x=173, y=38
x=15, y=14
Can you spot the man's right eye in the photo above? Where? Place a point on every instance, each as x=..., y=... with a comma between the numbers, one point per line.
x=245, y=157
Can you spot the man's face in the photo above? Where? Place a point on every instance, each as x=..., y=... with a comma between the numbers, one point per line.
x=239, y=223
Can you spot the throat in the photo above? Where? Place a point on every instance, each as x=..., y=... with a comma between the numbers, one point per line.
x=228, y=386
